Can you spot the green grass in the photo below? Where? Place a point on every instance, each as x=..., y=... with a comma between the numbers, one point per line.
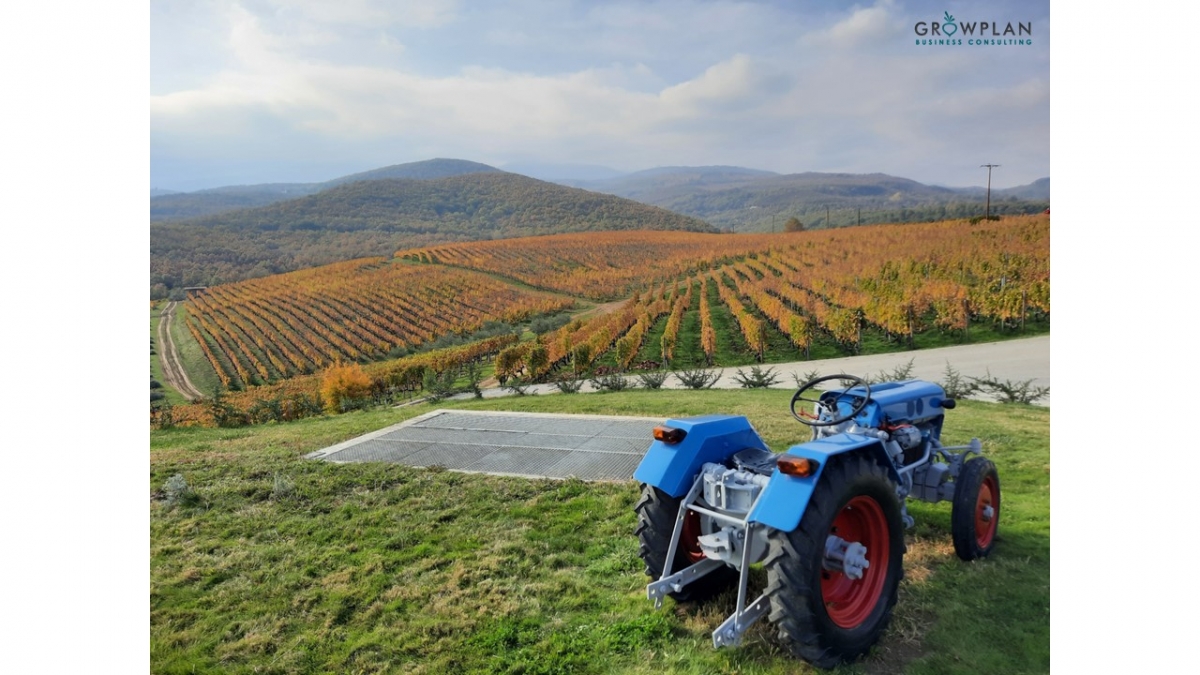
x=384, y=568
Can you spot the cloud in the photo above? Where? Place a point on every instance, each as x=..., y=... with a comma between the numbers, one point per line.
x=863, y=25
x=700, y=83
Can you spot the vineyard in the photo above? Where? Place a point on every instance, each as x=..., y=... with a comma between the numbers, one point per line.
x=266, y=330
x=802, y=289
x=692, y=300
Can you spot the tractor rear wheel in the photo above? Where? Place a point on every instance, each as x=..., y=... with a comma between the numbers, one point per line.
x=976, y=509
x=823, y=615
x=656, y=512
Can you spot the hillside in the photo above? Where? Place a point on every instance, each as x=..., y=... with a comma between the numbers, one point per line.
x=748, y=200
x=377, y=217
x=170, y=205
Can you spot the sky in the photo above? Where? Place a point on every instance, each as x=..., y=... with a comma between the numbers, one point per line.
x=260, y=91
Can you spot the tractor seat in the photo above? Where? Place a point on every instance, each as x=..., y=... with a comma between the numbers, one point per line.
x=756, y=460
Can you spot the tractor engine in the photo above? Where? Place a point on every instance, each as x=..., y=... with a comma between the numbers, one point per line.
x=910, y=441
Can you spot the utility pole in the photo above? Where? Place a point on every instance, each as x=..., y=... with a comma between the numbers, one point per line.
x=987, y=213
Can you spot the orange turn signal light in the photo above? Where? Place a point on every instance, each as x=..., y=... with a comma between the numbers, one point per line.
x=798, y=466
x=668, y=435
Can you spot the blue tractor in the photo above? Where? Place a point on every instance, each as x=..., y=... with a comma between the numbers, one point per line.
x=826, y=517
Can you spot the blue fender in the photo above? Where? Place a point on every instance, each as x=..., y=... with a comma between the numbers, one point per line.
x=782, y=503
x=711, y=438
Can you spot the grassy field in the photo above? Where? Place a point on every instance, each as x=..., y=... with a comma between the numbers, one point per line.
x=280, y=565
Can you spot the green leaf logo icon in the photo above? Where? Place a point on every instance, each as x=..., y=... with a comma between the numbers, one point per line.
x=949, y=27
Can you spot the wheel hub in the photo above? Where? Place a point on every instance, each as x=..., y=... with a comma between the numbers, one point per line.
x=847, y=557
x=851, y=585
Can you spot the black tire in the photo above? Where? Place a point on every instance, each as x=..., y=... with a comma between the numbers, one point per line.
x=977, y=487
x=656, y=512
x=797, y=583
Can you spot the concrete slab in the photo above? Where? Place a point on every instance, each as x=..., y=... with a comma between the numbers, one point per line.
x=536, y=445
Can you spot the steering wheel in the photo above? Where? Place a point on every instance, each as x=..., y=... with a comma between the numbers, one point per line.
x=812, y=421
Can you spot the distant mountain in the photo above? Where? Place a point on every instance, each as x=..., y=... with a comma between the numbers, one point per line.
x=750, y=200
x=181, y=205
x=662, y=183
x=158, y=192
x=563, y=173
x=177, y=206
x=429, y=169
x=1037, y=190
x=377, y=217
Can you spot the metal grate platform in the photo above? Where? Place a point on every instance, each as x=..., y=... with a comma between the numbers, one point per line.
x=541, y=445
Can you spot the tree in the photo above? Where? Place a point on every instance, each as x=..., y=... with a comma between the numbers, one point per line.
x=793, y=224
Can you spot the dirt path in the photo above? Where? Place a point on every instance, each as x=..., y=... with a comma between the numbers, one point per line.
x=172, y=367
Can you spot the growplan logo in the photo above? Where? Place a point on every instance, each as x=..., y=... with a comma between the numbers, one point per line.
x=952, y=32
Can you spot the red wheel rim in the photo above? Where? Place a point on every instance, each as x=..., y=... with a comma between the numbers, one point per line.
x=849, y=602
x=689, y=539
x=985, y=525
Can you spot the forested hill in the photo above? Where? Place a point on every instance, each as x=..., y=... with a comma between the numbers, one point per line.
x=477, y=206
x=376, y=217
x=169, y=205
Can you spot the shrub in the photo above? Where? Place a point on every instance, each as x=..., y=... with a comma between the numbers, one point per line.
x=344, y=384
x=545, y=324
x=520, y=386
x=955, y=385
x=801, y=380
x=162, y=416
x=653, y=379
x=266, y=410
x=757, y=378
x=568, y=385
x=1008, y=391
x=282, y=487
x=439, y=386
x=612, y=381
x=698, y=378
x=899, y=373
x=474, y=375
x=178, y=492
x=300, y=406
x=224, y=413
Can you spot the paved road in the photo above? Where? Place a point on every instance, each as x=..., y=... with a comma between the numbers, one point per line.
x=1015, y=360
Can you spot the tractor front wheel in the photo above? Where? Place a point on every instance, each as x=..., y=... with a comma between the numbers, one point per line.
x=826, y=615
x=976, y=509
x=656, y=512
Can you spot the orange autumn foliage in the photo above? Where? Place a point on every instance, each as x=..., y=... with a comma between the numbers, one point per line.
x=344, y=382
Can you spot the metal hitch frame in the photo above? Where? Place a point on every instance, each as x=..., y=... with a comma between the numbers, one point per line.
x=729, y=633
